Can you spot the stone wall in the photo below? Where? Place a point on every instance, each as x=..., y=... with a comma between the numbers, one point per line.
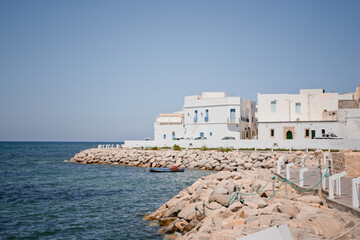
x=338, y=162
x=352, y=164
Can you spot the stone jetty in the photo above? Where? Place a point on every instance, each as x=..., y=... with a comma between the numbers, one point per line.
x=192, y=159
x=307, y=216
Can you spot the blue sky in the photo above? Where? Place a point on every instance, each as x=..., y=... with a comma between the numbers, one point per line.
x=102, y=70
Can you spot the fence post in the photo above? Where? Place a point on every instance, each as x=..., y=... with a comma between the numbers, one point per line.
x=355, y=192
x=303, y=157
x=288, y=170
x=325, y=162
x=320, y=188
x=335, y=178
x=301, y=176
x=279, y=162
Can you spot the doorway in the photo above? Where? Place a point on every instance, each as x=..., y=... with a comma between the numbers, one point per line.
x=289, y=135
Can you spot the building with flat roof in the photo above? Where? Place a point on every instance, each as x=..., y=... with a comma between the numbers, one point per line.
x=310, y=114
x=212, y=115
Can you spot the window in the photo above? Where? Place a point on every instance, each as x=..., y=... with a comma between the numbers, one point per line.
x=307, y=133
x=201, y=134
x=272, y=132
x=298, y=107
x=323, y=132
x=273, y=106
x=210, y=134
x=164, y=136
x=232, y=115
x=196, y=116
x=206, y=115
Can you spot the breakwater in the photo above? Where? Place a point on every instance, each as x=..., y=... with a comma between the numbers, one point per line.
x=208, y=209
x=193, y=159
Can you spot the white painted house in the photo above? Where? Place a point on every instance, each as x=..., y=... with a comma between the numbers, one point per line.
x=212, y=115
x=310, y=114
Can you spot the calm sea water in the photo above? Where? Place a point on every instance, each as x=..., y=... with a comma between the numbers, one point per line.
x=42, y=197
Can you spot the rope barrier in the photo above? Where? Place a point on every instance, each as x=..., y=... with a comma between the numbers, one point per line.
x=307, y=175
x=200, y=212
x=234, y=197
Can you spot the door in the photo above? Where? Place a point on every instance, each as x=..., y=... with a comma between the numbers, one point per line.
x=312, y=133
x=289, y=135
x=201, y=134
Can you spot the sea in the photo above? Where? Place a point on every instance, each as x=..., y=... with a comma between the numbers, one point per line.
x=43, y=197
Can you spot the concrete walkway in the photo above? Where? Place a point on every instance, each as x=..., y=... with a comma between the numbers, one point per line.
x=346, y=187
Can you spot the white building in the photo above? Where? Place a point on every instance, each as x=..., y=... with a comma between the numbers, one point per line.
x=308, y=115
x=212, y=115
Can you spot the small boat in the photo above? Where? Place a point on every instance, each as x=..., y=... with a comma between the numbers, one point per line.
x=171, y=169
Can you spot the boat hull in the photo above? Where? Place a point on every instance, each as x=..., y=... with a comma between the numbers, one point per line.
x=165, y=170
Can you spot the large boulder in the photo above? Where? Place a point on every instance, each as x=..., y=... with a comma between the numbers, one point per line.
x=188, y=213
x=287, y=209
x=222, y=199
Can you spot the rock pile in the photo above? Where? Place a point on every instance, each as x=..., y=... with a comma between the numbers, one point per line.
x=307, y=216
x=209, y=160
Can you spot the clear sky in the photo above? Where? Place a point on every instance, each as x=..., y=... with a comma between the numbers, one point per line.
x=103, y=70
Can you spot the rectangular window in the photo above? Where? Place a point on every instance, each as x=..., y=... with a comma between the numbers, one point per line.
x=273, y=106
x=164, y=136
x=196, y=116
x=272, y=132
x=232, y=115
x=298, y=107
x=307, y=133
x=201, y=134
x=323, y=132
x=206, y=115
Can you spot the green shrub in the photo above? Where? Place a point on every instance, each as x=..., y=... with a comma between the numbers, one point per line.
x=246, y=149
x=165, y=148
x=155, y=148
x=224, y=149
x=176, y=147
x=204, y=148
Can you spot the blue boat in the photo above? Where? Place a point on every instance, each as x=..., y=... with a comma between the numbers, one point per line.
x=172, y=169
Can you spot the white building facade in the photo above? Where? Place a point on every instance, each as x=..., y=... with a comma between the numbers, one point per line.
x=311, y=114
x=212, y=115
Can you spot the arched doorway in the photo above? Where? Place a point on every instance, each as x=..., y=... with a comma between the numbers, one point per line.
x=289, y=135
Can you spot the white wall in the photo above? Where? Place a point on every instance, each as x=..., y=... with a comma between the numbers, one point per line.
x=161, y=129
x=349, y=120
x=320, y=102
x=264, y=129
x=313, y=103
x=285, y=107
x=353, y=144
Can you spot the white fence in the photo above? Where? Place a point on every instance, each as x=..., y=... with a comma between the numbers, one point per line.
x=353, y=144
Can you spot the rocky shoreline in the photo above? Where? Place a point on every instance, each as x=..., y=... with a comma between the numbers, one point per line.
x=307, y=216
x=193, y=159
